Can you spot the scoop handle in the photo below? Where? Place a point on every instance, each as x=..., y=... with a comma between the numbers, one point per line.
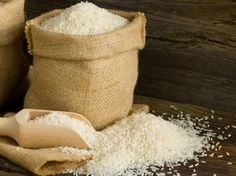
x=8, y=127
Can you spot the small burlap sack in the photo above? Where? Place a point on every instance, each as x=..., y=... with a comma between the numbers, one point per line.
x=13, y=63
x=41, y=161
x=93, y=75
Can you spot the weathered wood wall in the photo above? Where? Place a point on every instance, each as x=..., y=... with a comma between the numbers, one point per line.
x=190, y=55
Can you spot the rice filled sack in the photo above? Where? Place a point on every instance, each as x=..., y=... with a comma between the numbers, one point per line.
x=90, y=71
x=13, y=63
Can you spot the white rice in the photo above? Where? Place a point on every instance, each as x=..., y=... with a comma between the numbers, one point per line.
x=84, y=18
x=58, y=118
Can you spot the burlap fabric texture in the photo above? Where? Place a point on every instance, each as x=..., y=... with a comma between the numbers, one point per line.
x=41, y=161
x=93, y=75
x=13, y=64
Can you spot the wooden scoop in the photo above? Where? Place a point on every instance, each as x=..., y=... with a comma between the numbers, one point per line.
x=33, y=135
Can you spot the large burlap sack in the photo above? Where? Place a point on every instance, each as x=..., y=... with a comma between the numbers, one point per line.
x=93, y=75
x=13, y=63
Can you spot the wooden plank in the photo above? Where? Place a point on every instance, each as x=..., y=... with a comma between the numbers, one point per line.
x=8, y=167
x=9, y=174
x=190, y=55
x=157, y=106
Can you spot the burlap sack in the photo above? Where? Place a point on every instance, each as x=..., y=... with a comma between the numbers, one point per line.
x=41, y=161
x=93, y=75
x=13, y=64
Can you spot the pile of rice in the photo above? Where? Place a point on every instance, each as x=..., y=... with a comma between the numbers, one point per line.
x=84, y=19
x=144, y=143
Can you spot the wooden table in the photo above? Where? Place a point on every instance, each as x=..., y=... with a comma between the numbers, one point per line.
x=213, y=165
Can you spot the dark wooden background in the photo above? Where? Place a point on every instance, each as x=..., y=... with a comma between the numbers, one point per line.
x=190, y=54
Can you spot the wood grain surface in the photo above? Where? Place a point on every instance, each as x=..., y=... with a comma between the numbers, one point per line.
x=213, y=165
x=190, y=54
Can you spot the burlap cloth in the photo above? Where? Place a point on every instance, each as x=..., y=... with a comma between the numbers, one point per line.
x=93, y=75
x=47, y=161
x=41, y=161
x=13, y=63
